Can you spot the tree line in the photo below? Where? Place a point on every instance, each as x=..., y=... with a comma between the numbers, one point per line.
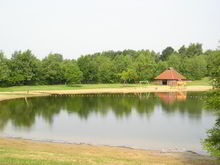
x=128, y=66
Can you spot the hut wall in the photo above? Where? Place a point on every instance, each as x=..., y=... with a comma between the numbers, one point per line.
x=171, y=82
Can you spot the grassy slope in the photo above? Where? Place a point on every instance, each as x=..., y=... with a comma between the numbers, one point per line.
x=203, y=82
x=24, y=152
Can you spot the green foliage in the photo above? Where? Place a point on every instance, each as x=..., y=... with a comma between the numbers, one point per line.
x=213, y=100
x=145, y=66
x=166, y=53
x=4, y=70
x=161, y=66
x=129, y=76
x=51, y=70
x=109, y=66
x=194, y=68
x=214, y=68
x=212, y=142
x=24, y=68
x=72, y=73
x=106, y=72
x=89, y=68
x=175, y=61
x=182, y=50
x=194, y=49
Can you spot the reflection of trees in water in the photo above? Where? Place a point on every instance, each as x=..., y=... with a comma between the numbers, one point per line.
x=120, y=105
x=176, y=102
x=22, y=114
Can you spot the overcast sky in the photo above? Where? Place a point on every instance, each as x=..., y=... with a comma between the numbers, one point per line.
x=77, y=27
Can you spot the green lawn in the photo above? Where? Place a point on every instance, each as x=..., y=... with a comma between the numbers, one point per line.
x=203, y=82
x=65, y=87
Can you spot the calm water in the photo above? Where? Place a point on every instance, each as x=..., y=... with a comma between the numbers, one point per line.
x=165, y=121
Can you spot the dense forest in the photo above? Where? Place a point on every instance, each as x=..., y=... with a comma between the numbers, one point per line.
x=128, y=66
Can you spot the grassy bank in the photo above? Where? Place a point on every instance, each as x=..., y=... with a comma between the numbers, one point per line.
x=25, y=152
x=203, y=82
x=65, y=87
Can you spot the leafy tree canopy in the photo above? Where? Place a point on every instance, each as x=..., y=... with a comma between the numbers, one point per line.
x=166, y=53
x=107, y=67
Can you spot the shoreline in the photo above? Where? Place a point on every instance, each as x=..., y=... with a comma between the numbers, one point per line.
x=41, y=93
x=102, y=151
x=163, y=150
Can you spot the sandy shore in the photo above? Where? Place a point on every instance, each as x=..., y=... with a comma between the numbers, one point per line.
x=23, y=94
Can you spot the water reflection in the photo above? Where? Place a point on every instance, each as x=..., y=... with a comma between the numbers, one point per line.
x=192, y=106
x=23, y=114
x=171, y=97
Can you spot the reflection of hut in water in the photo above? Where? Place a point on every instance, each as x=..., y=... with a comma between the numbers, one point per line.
x=170, y=97
x=169, y=77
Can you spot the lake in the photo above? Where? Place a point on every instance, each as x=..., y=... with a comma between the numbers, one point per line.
x=164, y=121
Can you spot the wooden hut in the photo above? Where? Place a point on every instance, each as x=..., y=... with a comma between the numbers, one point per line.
x=169, y=77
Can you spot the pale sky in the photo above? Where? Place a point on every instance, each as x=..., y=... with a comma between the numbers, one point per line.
x=79, y=27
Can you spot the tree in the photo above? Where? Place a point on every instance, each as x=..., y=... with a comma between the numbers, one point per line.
x=175, y=61
x=194, y=68
x=145, y=66
x=129, y=76
x=105, y=69
x=161, y=66
x=51, y=70
x=182, y=50
x=129, y=52
x=214, y=68
x=88, y=66
x=24, y=68
x=212, y=142
x=194, y=49
x=4, y=70
x=166, y=53
x=72, y=73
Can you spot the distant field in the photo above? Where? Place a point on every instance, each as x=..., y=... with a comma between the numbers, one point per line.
x=65, y=87
x=203, y=82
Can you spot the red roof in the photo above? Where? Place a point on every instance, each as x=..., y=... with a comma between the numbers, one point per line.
x=170, y=74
